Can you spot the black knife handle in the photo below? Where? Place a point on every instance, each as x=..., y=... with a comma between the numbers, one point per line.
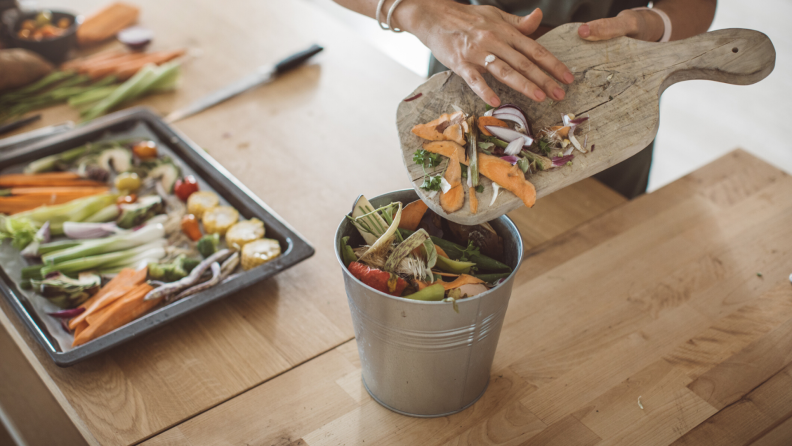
x=296, y=59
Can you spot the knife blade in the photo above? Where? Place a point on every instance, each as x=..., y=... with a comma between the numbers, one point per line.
x=262, y=75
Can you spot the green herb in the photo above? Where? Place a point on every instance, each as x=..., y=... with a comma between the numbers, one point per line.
x=495, y=141
x=470, y=251
x=480, y=188
x=485, y=146
x=758, y=274
x=425, y=158
x=487, y=107
x=544, y=147
x=432, y=182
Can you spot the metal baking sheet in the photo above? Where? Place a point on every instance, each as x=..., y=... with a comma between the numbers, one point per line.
x=193, y=160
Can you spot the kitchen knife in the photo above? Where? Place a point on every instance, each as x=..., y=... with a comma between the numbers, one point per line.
x=262, y=75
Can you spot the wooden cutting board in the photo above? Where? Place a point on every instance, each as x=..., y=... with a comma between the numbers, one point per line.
x=617, y=85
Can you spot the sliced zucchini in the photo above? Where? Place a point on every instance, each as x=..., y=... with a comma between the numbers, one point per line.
x=117, y=159
x=167, y=174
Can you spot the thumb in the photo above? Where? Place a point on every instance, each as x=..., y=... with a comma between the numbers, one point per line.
x=604, y=29
x=528, y=24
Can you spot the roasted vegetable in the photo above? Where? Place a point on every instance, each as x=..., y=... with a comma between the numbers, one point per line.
x=190, y=227
x=208, y=244
x=434, y=292
x=170, y=272
x=454, y=266
x=185, y=187
x=379, y=280
x=202, y=201
x=136, y=214
x=219, y=219
x=145, y=150
x=258, y=252
x=244, y=232
x=127, y=182
x=167, y=173
x=66, y=292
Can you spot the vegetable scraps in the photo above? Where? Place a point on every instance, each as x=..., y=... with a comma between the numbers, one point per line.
x=499, y=146
x=399, y=257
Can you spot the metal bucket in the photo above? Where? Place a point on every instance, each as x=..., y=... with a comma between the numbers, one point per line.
x=422, y=358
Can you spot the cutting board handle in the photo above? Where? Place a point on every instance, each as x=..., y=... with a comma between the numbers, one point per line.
x=732, y=56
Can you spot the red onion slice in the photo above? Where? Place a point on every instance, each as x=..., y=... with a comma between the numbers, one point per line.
x=511, y=159
x=68, y=314
x=516, y=111
x=509, y=135
x=562, y=160
x=513, y=117
x=514, y=148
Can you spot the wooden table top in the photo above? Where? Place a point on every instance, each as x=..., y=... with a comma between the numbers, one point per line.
x=657, y=298
x=666, y=320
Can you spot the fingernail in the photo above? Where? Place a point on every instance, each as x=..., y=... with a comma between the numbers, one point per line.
x=558, y=93
x=540, y=96
x=584, y=30
x=494, y=101
x=568, y=77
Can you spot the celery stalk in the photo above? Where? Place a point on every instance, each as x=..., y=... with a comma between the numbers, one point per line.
x=123, y=93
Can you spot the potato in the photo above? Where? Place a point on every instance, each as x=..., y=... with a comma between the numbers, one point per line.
x=20, y=67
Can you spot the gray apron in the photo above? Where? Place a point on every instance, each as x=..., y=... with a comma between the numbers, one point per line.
x=631, y=176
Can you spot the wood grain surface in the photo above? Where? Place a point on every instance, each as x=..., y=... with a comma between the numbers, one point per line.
x=648, y=325
x=617, y=85
x=307, y=144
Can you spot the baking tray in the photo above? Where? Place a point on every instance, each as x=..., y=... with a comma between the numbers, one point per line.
x=191, y=158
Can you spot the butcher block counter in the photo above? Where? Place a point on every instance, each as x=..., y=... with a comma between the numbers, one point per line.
x=663, y=320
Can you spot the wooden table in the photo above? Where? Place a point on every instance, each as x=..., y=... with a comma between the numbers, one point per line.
x=658, y=298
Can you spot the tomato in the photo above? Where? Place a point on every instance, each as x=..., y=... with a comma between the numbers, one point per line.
x=145, y=150
x=126, y=199
x=189, y=226
x=185, y=187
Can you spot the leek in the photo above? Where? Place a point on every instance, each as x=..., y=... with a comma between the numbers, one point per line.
x=105, y=260
x=92, y=247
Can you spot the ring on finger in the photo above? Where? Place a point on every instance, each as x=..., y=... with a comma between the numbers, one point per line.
x=489, y=59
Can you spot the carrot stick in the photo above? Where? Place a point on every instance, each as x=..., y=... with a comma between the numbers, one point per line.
x=121, y=284
x=121, y=312
x=80, y=190
x=45, y=179
x=82, y=326
x=127, y=70
x=107, y=67
x=21, y=203
x=76, y=64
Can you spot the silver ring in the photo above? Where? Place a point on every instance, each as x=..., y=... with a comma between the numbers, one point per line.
x=488, y=60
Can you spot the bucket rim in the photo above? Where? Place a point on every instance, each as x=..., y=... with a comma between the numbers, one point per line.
x=508, y=221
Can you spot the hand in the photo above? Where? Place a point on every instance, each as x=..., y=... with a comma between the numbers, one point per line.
x=641, y=25
x=462, y=36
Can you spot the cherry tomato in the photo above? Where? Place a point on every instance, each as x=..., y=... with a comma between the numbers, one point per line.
x=126, y=199
x=185, y=187
x=145, y=150
x=189, y=226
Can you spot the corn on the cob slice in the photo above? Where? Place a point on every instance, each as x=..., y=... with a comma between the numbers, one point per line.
x=244, y=232
x=219, y=219
x=201, y=201
x=259, y=251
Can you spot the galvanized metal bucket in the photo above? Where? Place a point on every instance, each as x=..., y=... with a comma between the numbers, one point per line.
x=423, y=358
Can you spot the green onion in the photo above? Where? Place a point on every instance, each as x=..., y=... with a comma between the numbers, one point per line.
x=103, y=260
x=92, y=247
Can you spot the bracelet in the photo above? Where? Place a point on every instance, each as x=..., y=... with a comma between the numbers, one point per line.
x=389, y=17
x=666, y=22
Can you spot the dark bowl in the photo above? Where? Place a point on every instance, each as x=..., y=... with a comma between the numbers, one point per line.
x=54, y=49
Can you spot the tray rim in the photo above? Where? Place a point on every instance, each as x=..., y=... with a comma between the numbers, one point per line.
x=211, y=171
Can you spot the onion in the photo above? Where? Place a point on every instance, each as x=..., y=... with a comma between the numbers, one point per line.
x=511, y=159
x=489, y=112
x=562, y=160
x=514, y=147
x=507, y=116
x=445, y=185
x=136, y=37
x=83, y=230
x=515, y=111
x=578, y=121
x=495, y=190
x=68, y=314
x=575, y=142
x=509, y=135
x=568, y=151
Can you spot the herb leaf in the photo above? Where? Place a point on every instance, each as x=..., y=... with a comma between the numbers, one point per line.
x=431, y=182
x=468, y=252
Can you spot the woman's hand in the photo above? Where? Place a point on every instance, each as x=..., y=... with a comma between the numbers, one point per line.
x=462, y=36
x=641, y=25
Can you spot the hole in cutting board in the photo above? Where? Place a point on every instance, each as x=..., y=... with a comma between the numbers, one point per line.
x=734, y=50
